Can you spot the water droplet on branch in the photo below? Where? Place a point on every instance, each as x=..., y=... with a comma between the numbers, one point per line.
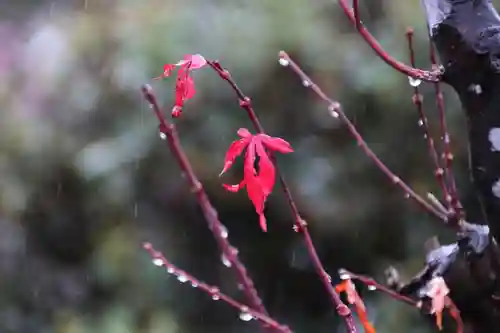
x=158, y=262
x=223, y=232
x=414, y=82
x=283, y=62
x=244, y=315
x=225, y=261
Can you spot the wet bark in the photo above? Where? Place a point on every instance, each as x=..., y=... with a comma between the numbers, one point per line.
x=466, y=34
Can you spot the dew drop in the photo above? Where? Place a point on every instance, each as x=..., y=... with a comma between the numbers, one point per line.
x=344, y=275
x=306, y=83
x=225, y=261
x=372, y=287
x=332, y=108
x=420, y=122
x=414, y=82
x=194, y=284
x=244, y=315
x=407, y=195
x=283, y=62
x=170, y=270
x=329, y=277
x=215, y=294
x=223, y=232
x=158, y=262
x=163, y=136
x=182, y=278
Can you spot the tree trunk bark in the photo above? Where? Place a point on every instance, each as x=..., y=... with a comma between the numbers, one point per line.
x=466, y=34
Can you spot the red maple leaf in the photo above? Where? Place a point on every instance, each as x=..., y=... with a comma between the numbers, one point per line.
x=259, y=183
x=184, y=85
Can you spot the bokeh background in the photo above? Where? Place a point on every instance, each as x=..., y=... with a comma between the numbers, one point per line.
x=85, y=178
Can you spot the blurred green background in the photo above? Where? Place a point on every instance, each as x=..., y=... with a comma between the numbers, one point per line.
x=86, y=179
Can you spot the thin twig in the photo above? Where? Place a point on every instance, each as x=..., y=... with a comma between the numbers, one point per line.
x=246, y=313
x=336, y=110
x=355, y=10
x=452, y=198
x=300, y=224
x=219, y=231
x=428, y=76
x=374, y=285
x=423, y=122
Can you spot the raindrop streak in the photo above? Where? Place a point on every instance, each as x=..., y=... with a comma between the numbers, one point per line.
x=225, y=261
x=158, y=262
x=414, y=82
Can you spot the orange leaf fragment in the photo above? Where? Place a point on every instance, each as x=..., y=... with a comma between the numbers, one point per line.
x=353, y=298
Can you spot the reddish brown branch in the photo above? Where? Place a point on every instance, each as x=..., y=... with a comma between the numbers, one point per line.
x=429, y=76
x=336, y=110
x=374, y=285
x=246, y=313
x=300, y=224
x=219, y=231
x=423, y=122
x=452, y=198
x=355, y=10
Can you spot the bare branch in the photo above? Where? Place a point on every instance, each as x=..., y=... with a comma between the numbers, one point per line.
x=246, y=313
x=336, y=110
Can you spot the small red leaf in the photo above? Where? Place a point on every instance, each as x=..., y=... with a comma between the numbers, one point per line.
x=255, y=193
x=196, y=60
x=184, y=85
x=176, y=111
x=277, y=144
x=234, y=188
x=189, y=89
x=235, y=150
x=244, y=133
x=259, y=184
x=262, y=222
x=266, y=169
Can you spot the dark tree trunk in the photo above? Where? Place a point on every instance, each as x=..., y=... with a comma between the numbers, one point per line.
x=466, y=34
